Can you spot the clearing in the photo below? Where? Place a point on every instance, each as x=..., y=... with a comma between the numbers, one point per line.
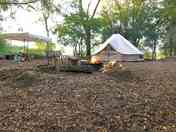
x=142, y=98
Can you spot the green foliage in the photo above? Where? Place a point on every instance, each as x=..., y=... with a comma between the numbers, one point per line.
x=168, y=11
x=169, y=21
x=70, y=33
x=147, y=55
x=161, y=55
x=5, y=48
x=40, y=49
x=36, y=53
x=79, y=30
x=70, y=30
x=149, y=21
x=3, y=6
x=133, y=19
x=40, y=46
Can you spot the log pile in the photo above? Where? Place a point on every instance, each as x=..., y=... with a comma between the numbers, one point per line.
x=76, y=68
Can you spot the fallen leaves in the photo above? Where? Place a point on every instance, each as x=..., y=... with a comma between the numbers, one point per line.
x=142, y=97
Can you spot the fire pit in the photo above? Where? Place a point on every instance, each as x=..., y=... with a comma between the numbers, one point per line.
x=84, y=66
x=95, y=63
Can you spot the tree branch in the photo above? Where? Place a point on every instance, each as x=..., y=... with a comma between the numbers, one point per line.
x=96, y=7
x=88, y=8
x=17, y=3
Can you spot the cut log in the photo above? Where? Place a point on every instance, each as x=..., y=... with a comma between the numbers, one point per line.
x=45, y=68
x=96, y=67
x=76, y=68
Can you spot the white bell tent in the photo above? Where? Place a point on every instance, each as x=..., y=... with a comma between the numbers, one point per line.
x=118, y=48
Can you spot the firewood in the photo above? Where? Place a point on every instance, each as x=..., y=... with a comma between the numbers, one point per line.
x=76, y=68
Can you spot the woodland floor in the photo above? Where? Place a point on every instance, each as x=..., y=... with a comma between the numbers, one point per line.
x=140, y=99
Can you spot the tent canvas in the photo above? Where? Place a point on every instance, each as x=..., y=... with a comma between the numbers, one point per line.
x=118, y=48
x=24, y=37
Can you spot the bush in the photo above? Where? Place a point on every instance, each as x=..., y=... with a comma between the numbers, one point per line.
x=5, y=48
x=147, y=55
x=36, y=54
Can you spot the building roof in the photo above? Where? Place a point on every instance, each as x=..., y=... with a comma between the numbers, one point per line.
x=24, y=37
x=120, y=44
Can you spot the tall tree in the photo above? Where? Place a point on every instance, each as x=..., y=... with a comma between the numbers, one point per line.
x=79, y=26
x=152, y=27
x=126, y=17
x=169, y=21
x=45, y=9
x=87, y=19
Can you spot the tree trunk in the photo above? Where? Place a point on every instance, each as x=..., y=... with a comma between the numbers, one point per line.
x=88, y=43
x=47, y=33
x=175, y=51
x=87, y=27
x=75, y=52
x=154, y=50
x=137, y=42
x=170, y=51
x=80, y=47
x=171, y=44
x=170, y=47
